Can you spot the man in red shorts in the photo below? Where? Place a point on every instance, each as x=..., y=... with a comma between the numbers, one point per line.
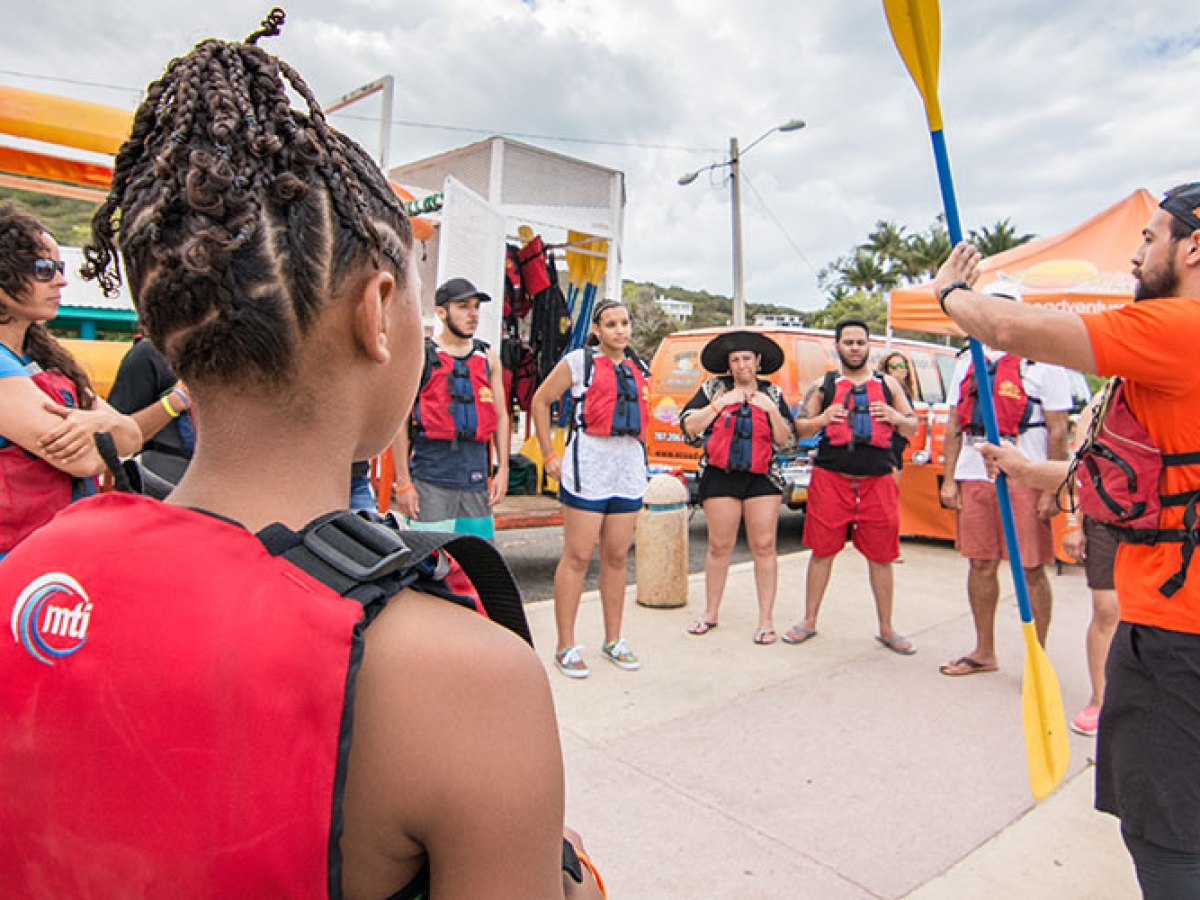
x=1148, y=746
x=852, y=490
x=1033, y=401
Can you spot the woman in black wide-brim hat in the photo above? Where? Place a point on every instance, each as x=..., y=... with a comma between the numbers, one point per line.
x=742, y=421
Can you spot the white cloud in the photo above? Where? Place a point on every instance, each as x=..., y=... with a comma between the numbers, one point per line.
x=1053, y=111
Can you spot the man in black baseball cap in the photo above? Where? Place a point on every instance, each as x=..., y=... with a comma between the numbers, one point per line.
x=458, y=289
x=443, y=457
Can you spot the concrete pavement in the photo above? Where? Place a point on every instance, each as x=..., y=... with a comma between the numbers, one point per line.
x=834, y=769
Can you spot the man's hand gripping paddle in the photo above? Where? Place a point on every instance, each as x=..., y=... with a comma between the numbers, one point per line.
x=916, y=29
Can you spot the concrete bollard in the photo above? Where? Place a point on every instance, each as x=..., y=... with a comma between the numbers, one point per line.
x=662, y=544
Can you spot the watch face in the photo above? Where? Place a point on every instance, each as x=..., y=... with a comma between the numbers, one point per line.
x=570, y=862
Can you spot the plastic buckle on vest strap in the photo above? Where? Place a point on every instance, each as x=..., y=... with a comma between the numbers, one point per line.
x=355, y=547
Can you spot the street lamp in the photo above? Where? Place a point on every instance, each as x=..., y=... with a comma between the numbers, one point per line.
x=735, y=193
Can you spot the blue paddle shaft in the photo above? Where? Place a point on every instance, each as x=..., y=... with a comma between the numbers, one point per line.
x=984, y=385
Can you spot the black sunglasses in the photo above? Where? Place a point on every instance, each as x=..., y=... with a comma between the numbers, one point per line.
x=44, y=268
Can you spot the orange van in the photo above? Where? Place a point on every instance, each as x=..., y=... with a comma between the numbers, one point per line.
x=676, y=373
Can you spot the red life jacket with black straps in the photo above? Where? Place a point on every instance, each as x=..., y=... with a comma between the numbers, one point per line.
x=179, y=728
x=32, y=490
x=616, y=397
x=859, y=428
x=1014, y=406
x=615, y=401
x=455, y=401
x=740, y=440
x=1118, y=474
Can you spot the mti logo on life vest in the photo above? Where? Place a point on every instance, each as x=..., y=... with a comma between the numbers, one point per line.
x=51, y=616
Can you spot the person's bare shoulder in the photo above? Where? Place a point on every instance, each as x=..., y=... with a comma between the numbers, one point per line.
x=453, y=718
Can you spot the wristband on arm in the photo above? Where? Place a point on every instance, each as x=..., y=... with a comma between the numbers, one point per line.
x=948, y=290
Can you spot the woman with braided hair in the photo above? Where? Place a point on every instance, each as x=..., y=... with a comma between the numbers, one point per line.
x=48, y=410
x=190, y=709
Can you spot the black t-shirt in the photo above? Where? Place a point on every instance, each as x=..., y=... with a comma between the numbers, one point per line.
x=142, y=379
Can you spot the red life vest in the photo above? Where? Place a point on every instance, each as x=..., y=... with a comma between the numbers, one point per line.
x=616, y=398
x=1014, y=406
x=859, y=428
x=535, y=276
x=739, y=440
x=1118, y=471
x=455, y=401
x=173, y=727
x=32, y=490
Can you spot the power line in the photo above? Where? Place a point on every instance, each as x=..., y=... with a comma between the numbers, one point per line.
x=96, y=84
x=403, y=123
x=782, y=230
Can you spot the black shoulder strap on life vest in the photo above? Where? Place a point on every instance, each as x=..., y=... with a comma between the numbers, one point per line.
x=827, y=388
x=368, y=558
x=431, y=360
x=631, y=354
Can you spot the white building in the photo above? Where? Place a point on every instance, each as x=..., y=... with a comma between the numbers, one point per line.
x=677, y=310
x=778, y=320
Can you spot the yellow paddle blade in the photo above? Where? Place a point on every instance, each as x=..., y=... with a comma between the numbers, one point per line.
x=917, y=30
x=1046, y=747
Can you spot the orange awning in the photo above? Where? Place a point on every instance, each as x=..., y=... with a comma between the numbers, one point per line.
x=62, y=121
x=54, y=168
x=1083, y=269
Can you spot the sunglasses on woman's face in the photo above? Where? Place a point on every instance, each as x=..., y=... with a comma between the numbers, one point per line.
x=44, y=268
x=897, y=365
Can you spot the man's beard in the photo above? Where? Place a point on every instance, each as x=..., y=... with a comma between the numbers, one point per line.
x=1163, y=282
x=852, y=366
x=458, y=332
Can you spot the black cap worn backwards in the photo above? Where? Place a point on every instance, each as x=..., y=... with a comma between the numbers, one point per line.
x=458, y=289
x=1183, y=203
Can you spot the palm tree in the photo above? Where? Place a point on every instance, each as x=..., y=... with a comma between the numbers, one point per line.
x=924, y=253
x=998, y=238
x=886, y=241
x=867, y=272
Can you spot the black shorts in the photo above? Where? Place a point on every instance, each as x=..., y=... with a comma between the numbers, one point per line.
x=738, y=485
x=1148, y=748
x=1100, y=554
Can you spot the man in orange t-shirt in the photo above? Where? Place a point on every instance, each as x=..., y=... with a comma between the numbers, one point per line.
x=1148, y=750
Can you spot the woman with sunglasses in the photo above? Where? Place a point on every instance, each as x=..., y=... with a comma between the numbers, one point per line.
x=48, y=410
x=898, y=366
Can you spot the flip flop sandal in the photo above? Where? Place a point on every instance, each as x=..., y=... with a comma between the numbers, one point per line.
x=798, y=634
x=701, y=626
x=764, y=636
x=898, y=643
x=967, y=666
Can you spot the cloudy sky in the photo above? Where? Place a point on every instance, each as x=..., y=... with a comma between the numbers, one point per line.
x=1054, y=110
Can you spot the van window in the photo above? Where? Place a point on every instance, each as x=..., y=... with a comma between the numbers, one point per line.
x=929, y=380
x=945, y=363
x=812, y=361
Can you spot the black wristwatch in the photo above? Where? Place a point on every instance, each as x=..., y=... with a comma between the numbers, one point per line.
x=948, y=290
x=570, y=862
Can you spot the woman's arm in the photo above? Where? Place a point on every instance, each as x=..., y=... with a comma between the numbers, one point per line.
x=77, y=429
x=558, y=381
x=26, y=421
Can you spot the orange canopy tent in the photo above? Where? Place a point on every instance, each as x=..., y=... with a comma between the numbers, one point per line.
x=78, y=125
x=1083, y=269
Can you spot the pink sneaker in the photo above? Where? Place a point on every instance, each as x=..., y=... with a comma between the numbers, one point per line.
x=1087, y=721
